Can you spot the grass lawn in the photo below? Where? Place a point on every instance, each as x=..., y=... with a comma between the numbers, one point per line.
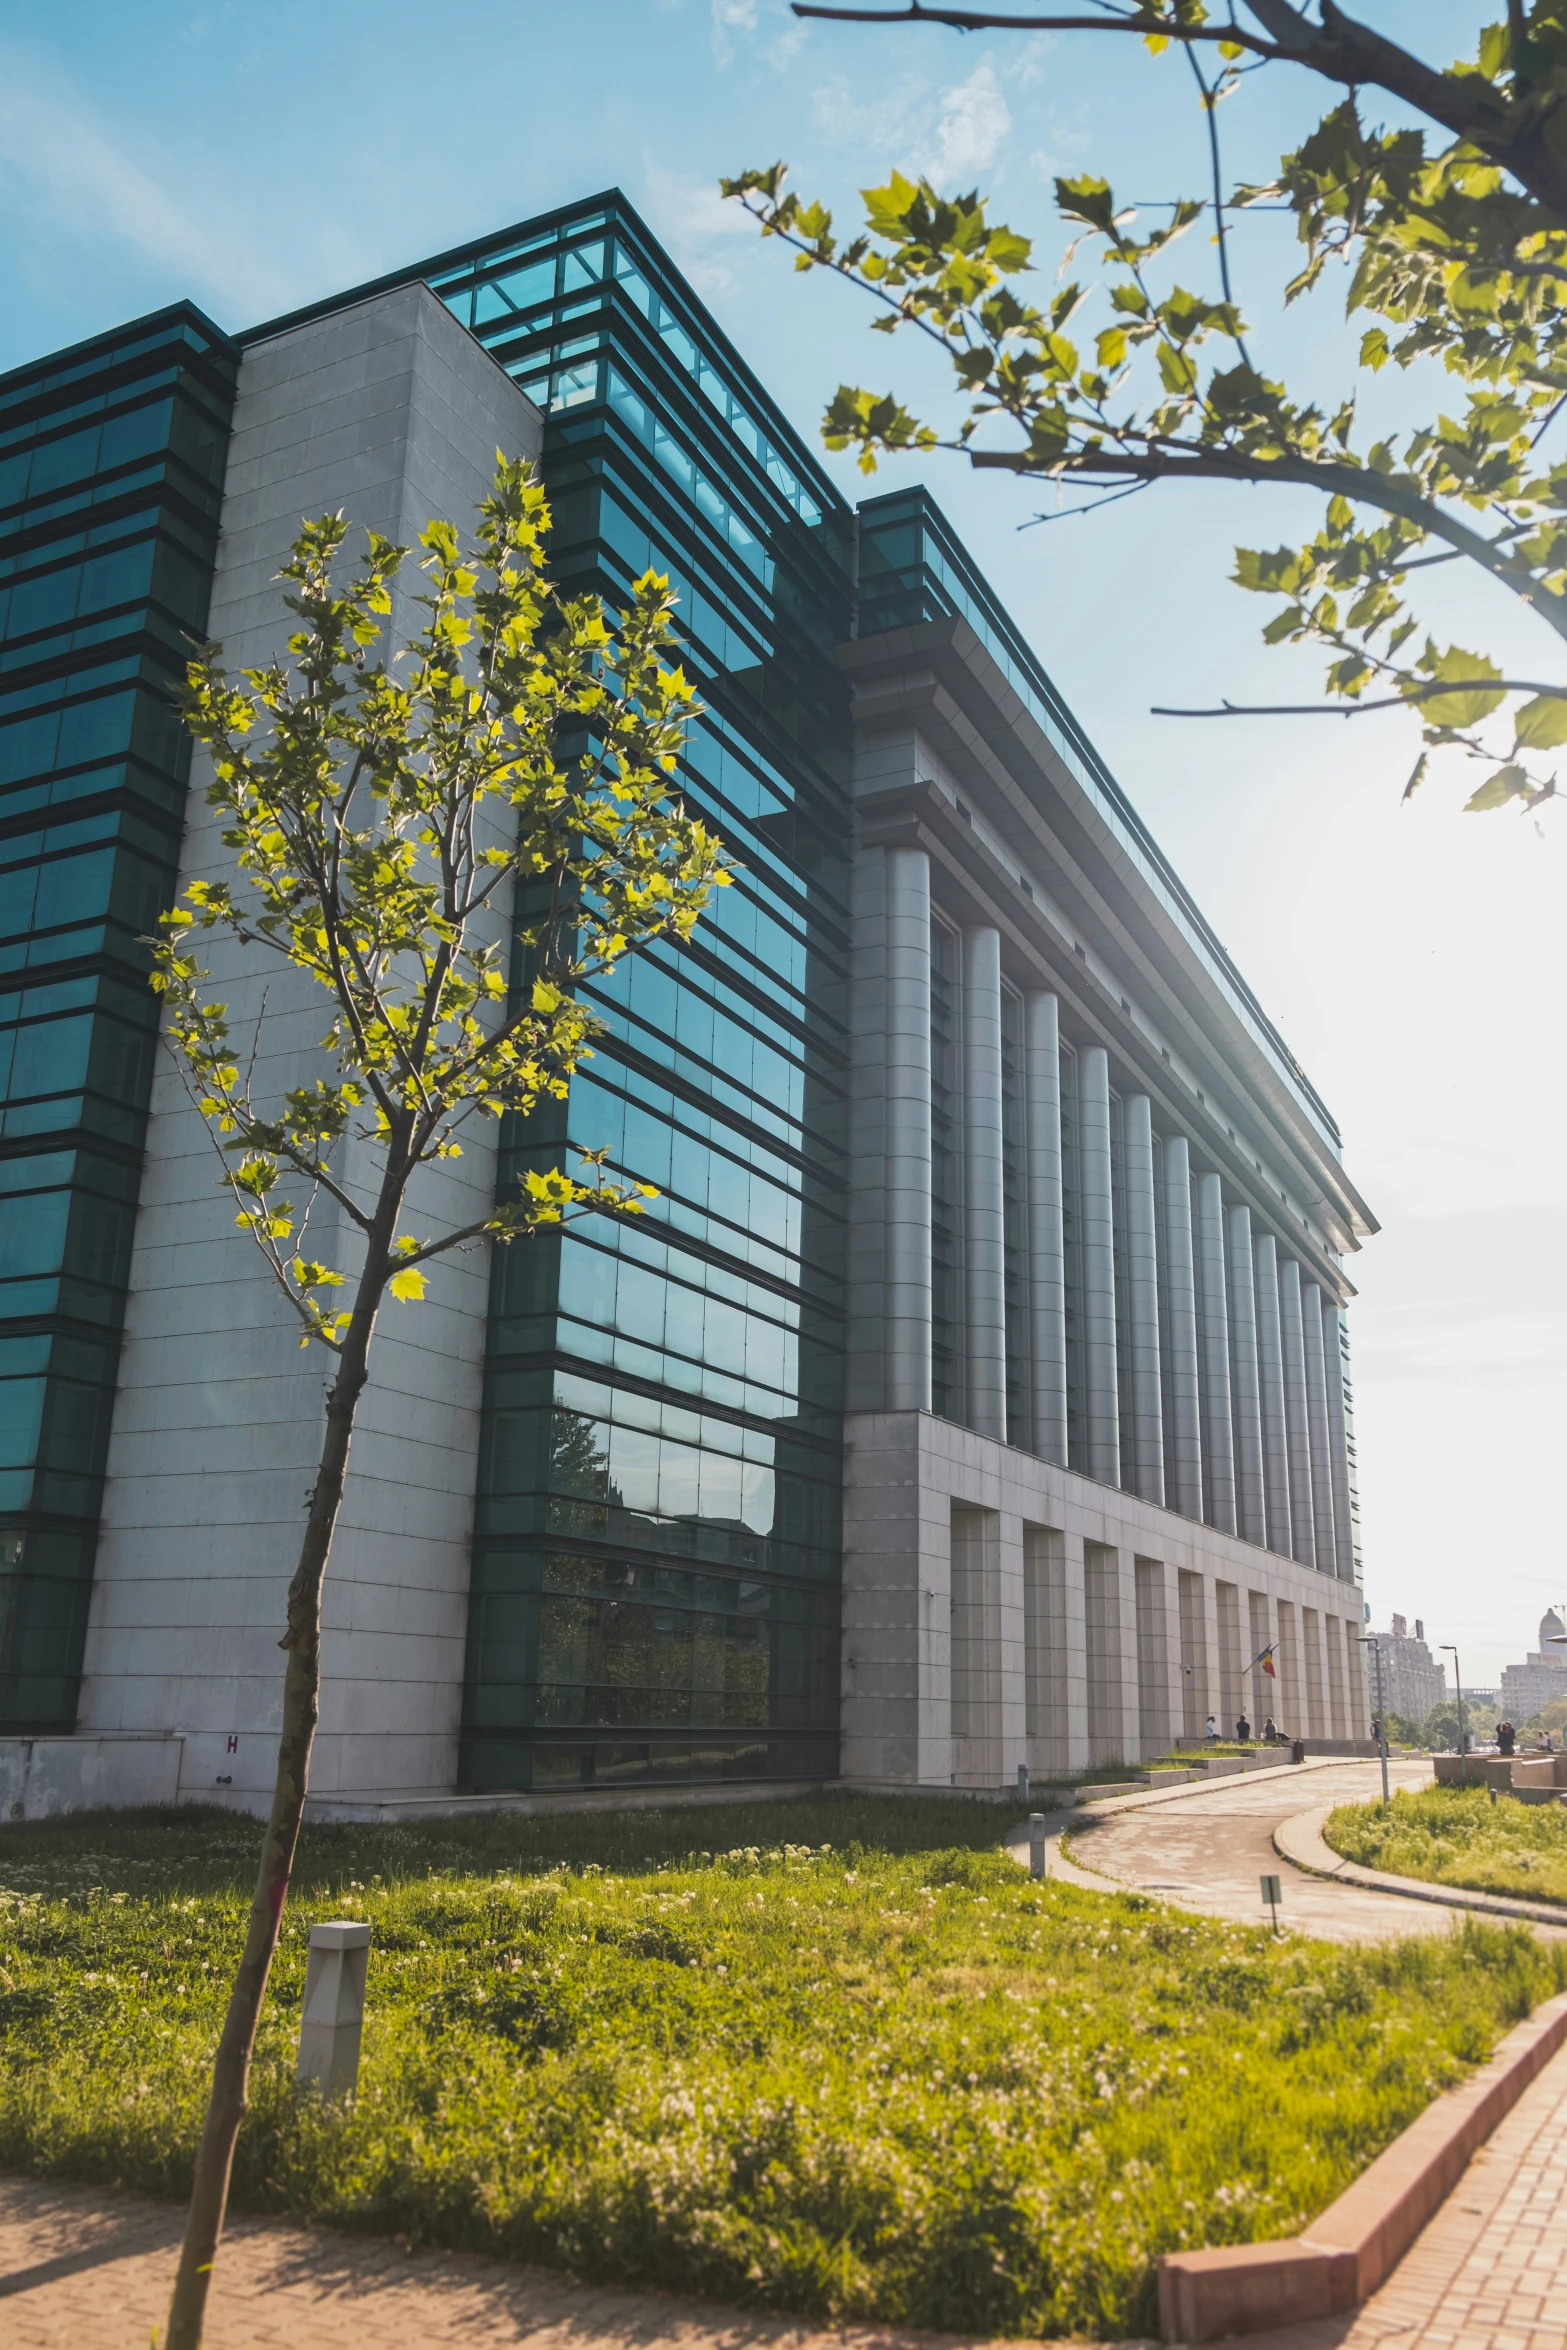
x=846, y=2060
x=1458, y=1836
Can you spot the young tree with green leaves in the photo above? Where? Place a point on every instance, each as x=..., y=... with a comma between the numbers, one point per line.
x=1456, y=241
x=381, y=814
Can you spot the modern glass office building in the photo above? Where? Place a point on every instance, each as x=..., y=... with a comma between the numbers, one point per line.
x=922, y=1102
x=111, y=472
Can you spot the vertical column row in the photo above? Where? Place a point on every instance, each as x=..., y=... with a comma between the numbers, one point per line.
x=1183, y=1482
x=1270, y=1396
x=1235, y=1382
x=1142, y=1280
x=1102, y=1406
x=1046, y=1234
x=984, y=1195
x=1218, y=1431
x=908, y=1125
x=1246, y=1383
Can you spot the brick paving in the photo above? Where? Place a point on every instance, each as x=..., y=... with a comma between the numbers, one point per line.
x=1490, y=2271
x=85, y=2270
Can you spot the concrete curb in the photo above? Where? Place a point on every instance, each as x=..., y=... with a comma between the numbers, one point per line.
x=1355, y=2244
x=1300, y=1840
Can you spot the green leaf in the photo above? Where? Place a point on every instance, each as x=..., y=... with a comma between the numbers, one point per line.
x=887, y=209
x=1416, y=778
x=1508, y=783
x=1284, y=625
x=1541, y=724
x=1088, y=198
x=1470, y=672
x=409, y=1285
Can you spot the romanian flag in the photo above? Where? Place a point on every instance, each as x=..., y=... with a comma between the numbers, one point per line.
x=1266, y=1662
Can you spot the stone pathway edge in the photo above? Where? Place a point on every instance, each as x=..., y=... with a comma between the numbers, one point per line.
x=1301, y=1842
x=1353, y=2246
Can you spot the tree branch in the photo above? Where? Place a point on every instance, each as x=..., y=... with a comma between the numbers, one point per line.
x=981, y=20
x=1340, y=49
x=1360, y=484
x=1435, y=691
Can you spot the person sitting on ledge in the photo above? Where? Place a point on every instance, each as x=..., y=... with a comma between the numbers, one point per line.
x=1270, y=1732
x=1210, y=1728
x=1243, y=1732
x=1506, y=1738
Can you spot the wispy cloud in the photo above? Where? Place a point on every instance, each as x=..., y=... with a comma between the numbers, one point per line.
x=732, y=17
x=952, y=135
x=694, y=221
x=61, y=168
x=972, y=127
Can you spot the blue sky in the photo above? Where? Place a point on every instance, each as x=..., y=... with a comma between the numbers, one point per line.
x=253, y=156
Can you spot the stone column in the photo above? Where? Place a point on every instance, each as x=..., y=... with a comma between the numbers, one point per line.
x=1183, y=1466
x=1251, y=1517
x=1270, y=1387
x=1317, y=1426
x=1303, y=1539
x=1142, y=1273
x=1218, y=1435
x=1102, y=1405
x=1333, y=1350
x=1013, y=1661
x=1046, y=1246
x=908, y=1131
x=984, y=1203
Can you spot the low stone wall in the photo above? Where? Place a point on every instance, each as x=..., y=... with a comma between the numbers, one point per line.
x=40, y=1777
x=1534, y=1775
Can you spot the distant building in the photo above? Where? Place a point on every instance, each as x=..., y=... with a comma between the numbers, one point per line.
x=1542, y=1677
x=1411, y=1684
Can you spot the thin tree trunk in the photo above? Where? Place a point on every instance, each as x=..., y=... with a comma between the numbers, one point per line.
x=230, y=2094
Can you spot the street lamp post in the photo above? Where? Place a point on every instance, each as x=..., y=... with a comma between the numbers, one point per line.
x=1463, y=1743
x=1370, y=1640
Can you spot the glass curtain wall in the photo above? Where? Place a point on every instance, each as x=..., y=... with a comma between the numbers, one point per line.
x=657, y=1553
x=111, y=471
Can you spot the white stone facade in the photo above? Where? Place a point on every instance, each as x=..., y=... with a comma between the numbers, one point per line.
x=1000, y=1610
x=1115, y=1242
x=392, y=413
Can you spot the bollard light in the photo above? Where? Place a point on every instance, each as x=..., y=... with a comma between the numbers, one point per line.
x=1022, y=1782
x=334, y=2012
x=1036, y=1844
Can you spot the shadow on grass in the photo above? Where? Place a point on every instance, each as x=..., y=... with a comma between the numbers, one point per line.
x=200, y=1848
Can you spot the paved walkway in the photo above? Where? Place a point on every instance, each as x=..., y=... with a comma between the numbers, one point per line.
x=1210, y=1850
x=82, y=2270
